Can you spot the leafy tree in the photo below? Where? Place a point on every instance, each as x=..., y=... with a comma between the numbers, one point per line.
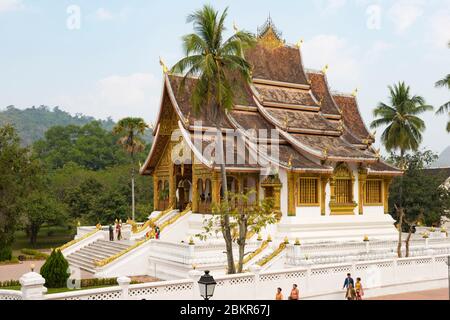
x=18, y=175
x=422, y=196
x=446, y=107
x=38, y=208
x=32, y=123
x=55, y=270
x=131, y=130
x=215, y=62
x=403, y=130
x=246, y=217
x=89, y=146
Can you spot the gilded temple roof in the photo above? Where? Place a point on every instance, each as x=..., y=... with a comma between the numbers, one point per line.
x=314, y=126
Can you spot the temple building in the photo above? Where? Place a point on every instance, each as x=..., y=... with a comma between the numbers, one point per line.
x=327, y=180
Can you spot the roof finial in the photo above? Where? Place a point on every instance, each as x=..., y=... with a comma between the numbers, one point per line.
x=235, y=27
x=355, y=92
x=290, y=161
x=325, y=69
x=299, y=43
x=163, y=65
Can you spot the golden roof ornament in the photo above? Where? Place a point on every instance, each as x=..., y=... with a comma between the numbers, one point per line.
x=269, y=36
x=378, y=153
x=320, y=101
x=373, y=135
x=290, y=161
x=286, y=122
x=341, y=126
x=235, y=28
x=355, y=92
x=325, y=152
x=325, y=69
x=299, y=43
x=186, y=120
x=163, y=65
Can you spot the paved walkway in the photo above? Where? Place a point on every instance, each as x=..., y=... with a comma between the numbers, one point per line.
x=15, y=271
x=440, y=294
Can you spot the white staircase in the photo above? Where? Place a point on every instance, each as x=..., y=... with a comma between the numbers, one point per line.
x=85, y=257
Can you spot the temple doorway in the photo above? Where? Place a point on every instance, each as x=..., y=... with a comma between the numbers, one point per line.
x=184, y=186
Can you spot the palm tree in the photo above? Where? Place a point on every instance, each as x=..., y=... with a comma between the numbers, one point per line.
x=446, y=107
x=215, y=62
x=403, y=130
x=131, y=129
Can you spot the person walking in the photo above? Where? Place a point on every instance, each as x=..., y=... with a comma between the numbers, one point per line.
x=359, y=289
x=294, y=293
x=351, y=293
x=279, y=295
x=119, y=231
x=111, y=233
x=348, y=281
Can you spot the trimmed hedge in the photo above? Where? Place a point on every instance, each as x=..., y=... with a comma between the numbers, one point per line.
x=31, y=254
x=9, y=283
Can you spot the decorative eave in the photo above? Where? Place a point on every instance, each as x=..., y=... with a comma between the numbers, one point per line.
x=144, y=167
x=281, y=84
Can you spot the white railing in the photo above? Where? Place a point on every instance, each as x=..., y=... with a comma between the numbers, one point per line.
x=381, y=277
x=10, y=295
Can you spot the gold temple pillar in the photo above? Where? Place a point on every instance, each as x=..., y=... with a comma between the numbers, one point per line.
x=362, y=178
x=386, y=185
x=172, y=187
x=323, y=194
x=291, y=194
x=195, y=195
x=155, y=193
x=215, y=186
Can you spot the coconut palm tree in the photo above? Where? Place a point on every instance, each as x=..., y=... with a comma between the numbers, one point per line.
x=446, y=107
x=130, y=130
x=403, y=131
x=215, y=62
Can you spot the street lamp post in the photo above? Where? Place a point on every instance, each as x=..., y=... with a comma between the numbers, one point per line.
x=207, y=284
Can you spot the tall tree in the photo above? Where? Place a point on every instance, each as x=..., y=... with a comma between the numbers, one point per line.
x=403, y=131
x=215, y=62
x=18, y=176
x=446, y=107
x=131, y=129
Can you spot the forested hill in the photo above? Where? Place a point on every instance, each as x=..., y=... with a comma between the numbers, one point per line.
x=32, y=123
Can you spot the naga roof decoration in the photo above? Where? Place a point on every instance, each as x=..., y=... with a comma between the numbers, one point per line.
x=313, y=126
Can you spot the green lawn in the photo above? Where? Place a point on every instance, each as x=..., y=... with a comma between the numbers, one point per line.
x=48, y=238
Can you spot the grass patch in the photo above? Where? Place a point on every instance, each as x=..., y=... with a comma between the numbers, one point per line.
x=49, y=237
x=14, y=260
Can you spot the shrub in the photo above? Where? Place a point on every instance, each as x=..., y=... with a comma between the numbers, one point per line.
x=5, y=253
x=9, y=283
x=34, y=254
x=55, y=270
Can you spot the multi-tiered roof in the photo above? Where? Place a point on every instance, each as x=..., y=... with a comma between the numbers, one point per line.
x=316, y=126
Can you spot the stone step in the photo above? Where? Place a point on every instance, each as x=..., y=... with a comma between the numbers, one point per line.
x=99, y=246
x=81, y=264
x=93, y=253
x=113, y=244
x=86, y=257
x=100, y=250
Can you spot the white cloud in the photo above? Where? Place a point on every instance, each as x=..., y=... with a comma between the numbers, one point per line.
x=405, y=13
x=440, y=26
x=117, y=96
x=102, y=14
x=10, y=5
x=339, y=55
x=377, y=50
x=330, y=6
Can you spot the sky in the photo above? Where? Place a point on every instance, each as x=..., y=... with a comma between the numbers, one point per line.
x=101, y=58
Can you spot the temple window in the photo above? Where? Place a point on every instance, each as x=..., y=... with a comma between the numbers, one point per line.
x=343, y=185
x=373, y=192
x=308, y=191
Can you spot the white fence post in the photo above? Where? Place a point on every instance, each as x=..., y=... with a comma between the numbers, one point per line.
x=195, y=276
x=124, y=283
x=32, y=286
x=256, y=270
